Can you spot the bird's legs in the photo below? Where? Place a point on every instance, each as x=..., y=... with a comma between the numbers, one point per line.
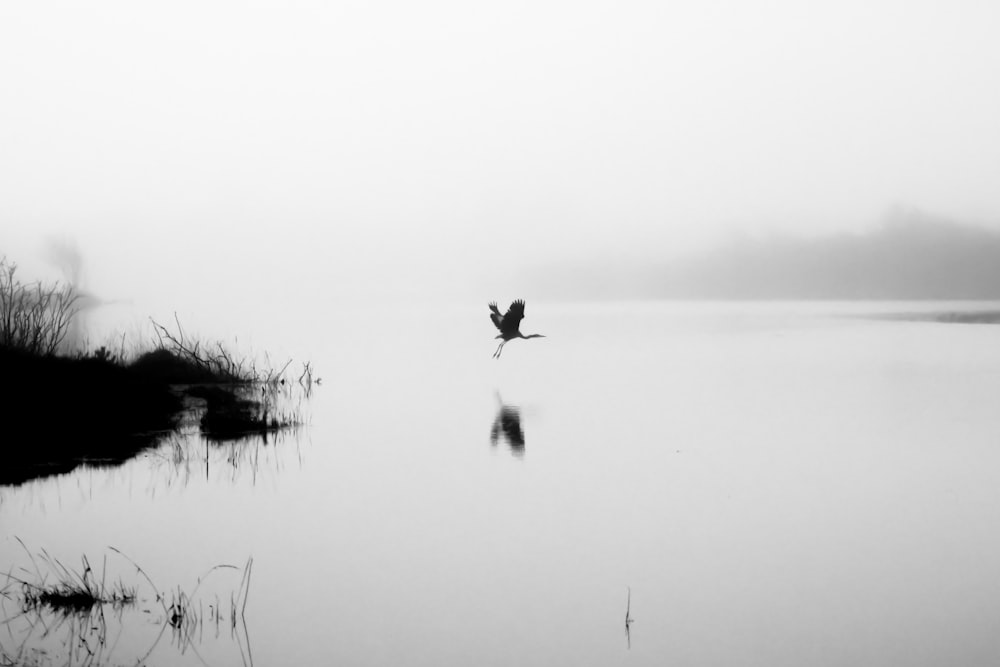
x=496, y=355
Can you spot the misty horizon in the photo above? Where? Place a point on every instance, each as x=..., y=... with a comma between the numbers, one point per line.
x=212, y=155
x=908, y=255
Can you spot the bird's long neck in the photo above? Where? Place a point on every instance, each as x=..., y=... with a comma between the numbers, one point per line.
x=533, y=336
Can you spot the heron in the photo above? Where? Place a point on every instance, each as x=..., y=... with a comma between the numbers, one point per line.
x=509, y=324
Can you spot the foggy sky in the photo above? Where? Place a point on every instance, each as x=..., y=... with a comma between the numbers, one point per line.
x=213, y=153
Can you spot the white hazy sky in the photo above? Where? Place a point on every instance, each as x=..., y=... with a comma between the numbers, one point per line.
x=322, y=148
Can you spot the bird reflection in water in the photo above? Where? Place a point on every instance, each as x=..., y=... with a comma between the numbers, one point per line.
x=507, y=425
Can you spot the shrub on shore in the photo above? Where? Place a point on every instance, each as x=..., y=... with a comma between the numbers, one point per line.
x=34, y=317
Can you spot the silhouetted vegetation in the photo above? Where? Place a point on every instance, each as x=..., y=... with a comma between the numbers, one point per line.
x=62, y=411
x=197, y=361
x=57, y=597
x=67, y=409
x=234, y=414
x=33, y=317
x=65, y=590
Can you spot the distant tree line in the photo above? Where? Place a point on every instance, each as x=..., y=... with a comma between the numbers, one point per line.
x=909, y=257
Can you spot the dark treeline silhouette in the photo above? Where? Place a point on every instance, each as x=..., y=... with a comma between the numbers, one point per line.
x=909, y=256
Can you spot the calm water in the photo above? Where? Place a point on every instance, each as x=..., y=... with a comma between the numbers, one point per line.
x=778, y=485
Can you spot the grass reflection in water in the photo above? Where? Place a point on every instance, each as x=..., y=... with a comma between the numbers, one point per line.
x=53, y=614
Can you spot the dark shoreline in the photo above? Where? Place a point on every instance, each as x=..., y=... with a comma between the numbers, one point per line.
x=63, y=412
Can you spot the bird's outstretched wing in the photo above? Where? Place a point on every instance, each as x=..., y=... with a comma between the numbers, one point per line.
x=495, y=315
x=512, y=318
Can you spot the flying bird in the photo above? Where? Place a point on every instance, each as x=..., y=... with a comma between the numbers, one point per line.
x=509, y=324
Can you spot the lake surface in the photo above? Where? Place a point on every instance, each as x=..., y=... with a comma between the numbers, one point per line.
x=776, y=485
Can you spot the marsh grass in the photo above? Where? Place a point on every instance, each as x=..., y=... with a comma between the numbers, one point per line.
x=76, y=591
x=239, y=396
x=240, y=412
x=72, y=609
x=214, y=361
x=51, y=585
